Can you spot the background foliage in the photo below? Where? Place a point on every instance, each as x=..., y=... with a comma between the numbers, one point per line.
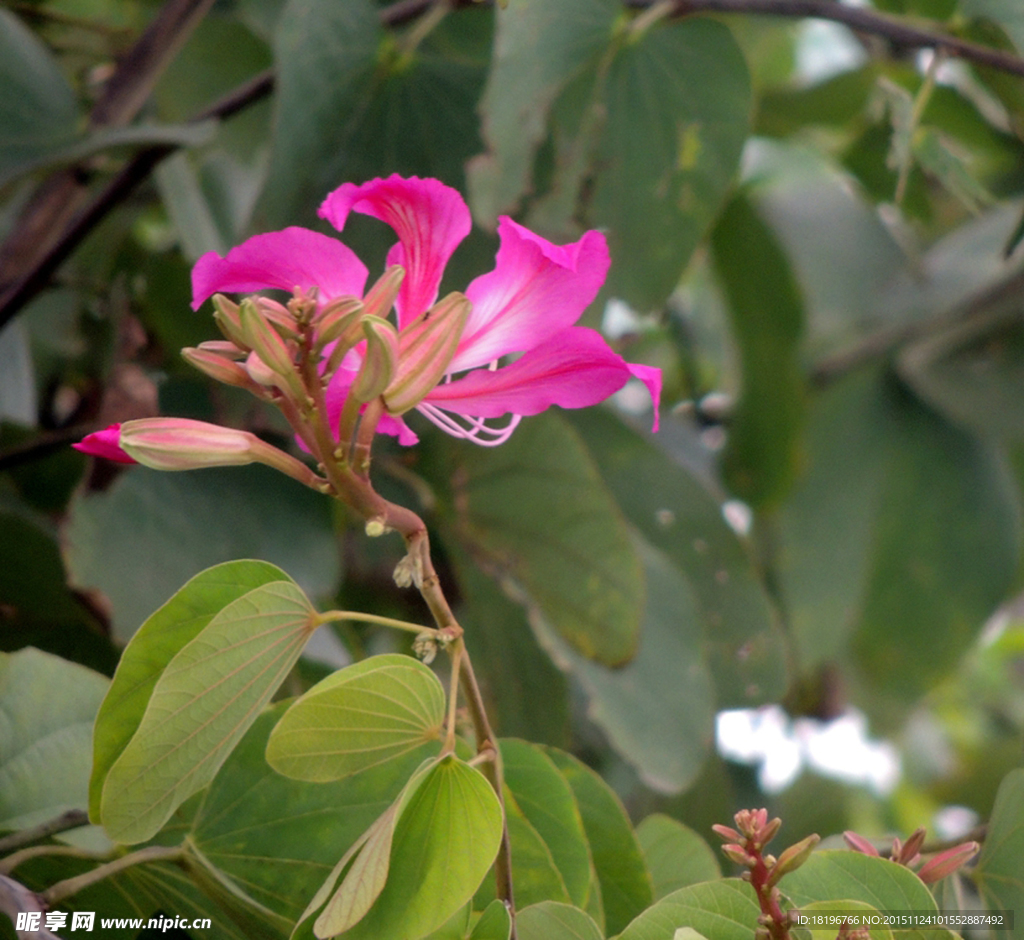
x=817, y=236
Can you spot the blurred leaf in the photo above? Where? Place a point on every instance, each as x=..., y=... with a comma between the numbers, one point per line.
x=833, y=875
x=275, y=838
x=445, y=842
x=183, y=523
x=204, y=701
x=625, y=881
x=544, y=797
x=759, y=462
x=38, y=110
x=536, y=510
x=677, y=103
x=722, y=910
x=937, y=158
x=188, y=208
x=676, y=513
x=153, y=647
x=1007, y=13
x=658, y=710
x=832, y=102
x=998, y=872
x=676, y=856
x=539, y=47
x=494, y=924
x=47, y=707
x=552, y=921
x=17, y=380
x=371, y=713
x=532, y=698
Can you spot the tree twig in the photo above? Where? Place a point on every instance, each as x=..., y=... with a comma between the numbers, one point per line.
x=861, y=19
x=72, y=819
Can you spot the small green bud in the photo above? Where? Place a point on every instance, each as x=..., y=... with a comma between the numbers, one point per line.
x=382, y=296
x=379, y=361
x=226, y=316
x=793, y=858
x=216, y=367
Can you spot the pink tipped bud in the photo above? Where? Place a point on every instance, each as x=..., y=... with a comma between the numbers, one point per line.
x=105, y=443
x=738, y=854
x=726, y=833
x=793, y=857
x=278, y=315
x=216, y=367
x=339, y=320
x=260, y=372
x=382, y=296
x=910, y=851
x=183, y=444
x=261, y=337
x=859, y=844
x=769, y=831
x=945, y=863
x=226, y=316
x=379, y=361
x=427, y=348
x=223, y=348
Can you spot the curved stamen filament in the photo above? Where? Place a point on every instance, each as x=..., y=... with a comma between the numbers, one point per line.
x=477, y=431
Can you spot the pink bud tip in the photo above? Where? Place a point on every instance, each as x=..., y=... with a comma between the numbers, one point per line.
x=859, y=843
x=945, y=863
x=105, y=443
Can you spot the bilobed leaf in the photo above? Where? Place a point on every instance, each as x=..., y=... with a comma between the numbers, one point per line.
x=676, y=513
x=536, y=510
x=47, y=707
x=547, y=801
x=657, y=710
x=766, y=310
x=550, y=920
x=445, y=842
x=677, y=106
x=154, y=645
x=276, y=839
x=207, y=697
x=182, y=523
x=998, y=874
x=494, y=924
x=676, y=856
x=358, y=717
x=625, y=882
x=721, y=910
x=534, y=873
x=832, y=875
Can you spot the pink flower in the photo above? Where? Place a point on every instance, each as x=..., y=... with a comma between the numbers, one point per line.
x=105, y=443
x=525, y=309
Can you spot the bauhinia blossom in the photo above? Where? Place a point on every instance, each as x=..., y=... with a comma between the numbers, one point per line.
x=508, y=345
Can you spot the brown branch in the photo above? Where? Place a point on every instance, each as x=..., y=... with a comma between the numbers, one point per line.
x=860, y=19
x=72, y=819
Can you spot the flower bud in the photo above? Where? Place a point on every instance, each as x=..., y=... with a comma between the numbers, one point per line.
x=223, y=348
x=183, y=444
x=726, y=833
x=859, y=844
x=382, y=296
x=945, y=863
x=261, y=337
x=278, y=315
x=427, y=348
x=105, y=443
x=339, y=318
x=793, y=857
x=260, y=372
x=908, y=853
x=738, y=854
x=226, y=316
x=216, y=367
x=379, y=361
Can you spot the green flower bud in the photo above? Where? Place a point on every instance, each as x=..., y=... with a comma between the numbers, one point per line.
x=379, y=361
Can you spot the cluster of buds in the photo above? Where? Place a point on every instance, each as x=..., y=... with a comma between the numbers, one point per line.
x=939, y=866
x=745, y=845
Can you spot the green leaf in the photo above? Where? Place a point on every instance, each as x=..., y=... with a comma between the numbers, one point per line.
x=538, y=48
x=833, y=875
x=208, y=695
x=183, y=523
x=444, y=844
x=550, y=920
x=275, y=839
x=1007, y=13
x=998, y=873
x=618, y=859
x=676, y=856
x=657, y=710
x=677, y=514
x=155, y=644
x=937, y=158
x=721, y=910
x=38, y=111
x=546, y=800
x=47, y=707
x=677, y=102
x=534, y=873
x=358, y=717
x=877, y=931
x=494, y=924
x=536, y=510
x=18, y=399
x=760, y=459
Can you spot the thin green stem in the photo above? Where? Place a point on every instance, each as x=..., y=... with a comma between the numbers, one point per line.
x=71, y=886
x=72, y=819
x=453, y=695
x=333, y=615
x=921, y=99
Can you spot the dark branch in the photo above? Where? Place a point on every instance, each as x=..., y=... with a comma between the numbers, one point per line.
x=857, y=18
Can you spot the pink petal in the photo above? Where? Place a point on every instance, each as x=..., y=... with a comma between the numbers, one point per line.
x=281, y=260
x=574, y=369
x=430, y=220
x=105, y=443
x=651, y=377
x=535, y=290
